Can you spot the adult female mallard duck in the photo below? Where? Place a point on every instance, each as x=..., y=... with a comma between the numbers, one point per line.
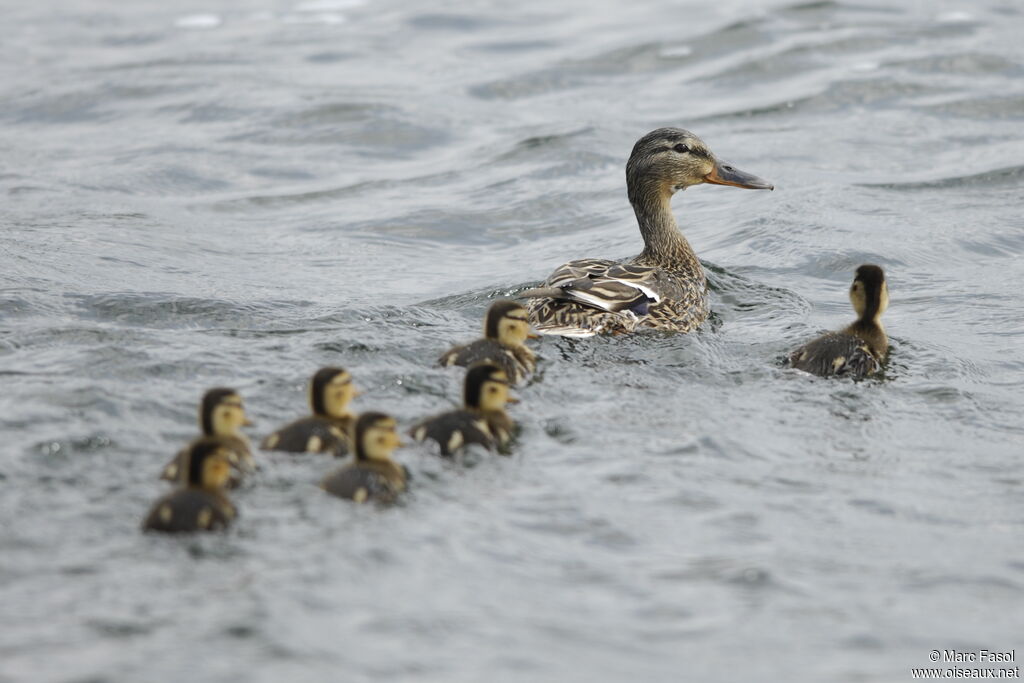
x=373, y=475
x=859, y=349
x=200, y=504
x=329, y=428
x=664, y=287
x=222, y=416
x=482, y=419
x=506, y=329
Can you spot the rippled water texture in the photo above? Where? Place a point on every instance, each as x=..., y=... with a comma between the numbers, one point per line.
x=229, y=193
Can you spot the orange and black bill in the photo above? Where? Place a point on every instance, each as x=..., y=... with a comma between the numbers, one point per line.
x=727, y=174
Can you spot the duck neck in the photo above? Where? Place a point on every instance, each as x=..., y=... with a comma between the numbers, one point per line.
x=663, y=243
x=870, y=330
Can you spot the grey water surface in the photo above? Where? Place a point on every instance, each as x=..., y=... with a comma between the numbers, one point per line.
x=235, y=193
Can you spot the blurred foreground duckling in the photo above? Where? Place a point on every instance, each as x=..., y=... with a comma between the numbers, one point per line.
x=221, y=416
x=482, y=419
x=506, y=329
x=373, y=475
x=859, y=350
x=200, y=504
x=329, y=428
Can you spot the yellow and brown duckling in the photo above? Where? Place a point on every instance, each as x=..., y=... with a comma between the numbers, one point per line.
x=200, y=504
x=506, y=329
x=482, y=419
x=858, y=350
x=664, y=287
x=373, y=475
x=329, y=428
x=222, y=416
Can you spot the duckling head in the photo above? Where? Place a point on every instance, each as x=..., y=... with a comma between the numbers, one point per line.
x=330, y=392
x=486, y=388
x=375, y=436
x=222, y=412
x=209, y=465
x=869, y=293
x=670, y=159
x=507, y=322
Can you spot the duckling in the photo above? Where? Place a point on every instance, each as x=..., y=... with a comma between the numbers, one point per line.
x=221, y=415
x=664, y=287
x=200, y=504
x=482, y=420
x=858, y=350
x=329, y=428
x=506, y=329
x=373, y=475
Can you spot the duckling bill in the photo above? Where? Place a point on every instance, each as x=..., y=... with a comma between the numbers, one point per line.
x=329, y=428
x=373, y=476
x=506, y=329
x=482, y=419
x=860, y=349
x=200, y=504
x=221, y=416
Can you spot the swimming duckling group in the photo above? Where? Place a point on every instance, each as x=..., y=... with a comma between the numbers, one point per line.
x=221, y=456
x=664, y=287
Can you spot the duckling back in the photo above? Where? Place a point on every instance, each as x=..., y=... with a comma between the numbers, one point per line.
x=516, y=363
x=365, y=480
x=455, y=430
x=836, y=354
x=314, y=434
x=190, y=509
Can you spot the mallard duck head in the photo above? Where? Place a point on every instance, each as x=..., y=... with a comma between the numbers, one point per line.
x=508, y=323
x=486, y=388
x=869, y=293
x=209, y=464
x=222, y=413
x=375, y=436
x=671, y=159
x=330, y=392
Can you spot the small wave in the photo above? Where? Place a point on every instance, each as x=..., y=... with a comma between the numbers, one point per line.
x=999, y=177
x=199, y=21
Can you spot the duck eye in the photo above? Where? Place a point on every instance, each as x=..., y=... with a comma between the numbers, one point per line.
x=681, y=148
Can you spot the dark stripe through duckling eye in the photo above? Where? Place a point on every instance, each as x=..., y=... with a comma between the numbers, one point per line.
x=476, y=376
x=197, y=456
x=211, y=399
x=366, y=422
x=321, y=379
x=497, y=311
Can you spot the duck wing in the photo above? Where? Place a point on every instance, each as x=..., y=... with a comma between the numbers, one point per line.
x=575, y=296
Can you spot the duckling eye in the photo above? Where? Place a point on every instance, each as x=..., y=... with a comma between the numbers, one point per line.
x=681, y=148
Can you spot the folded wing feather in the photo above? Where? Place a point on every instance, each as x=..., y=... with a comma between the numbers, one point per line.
x=602, y=284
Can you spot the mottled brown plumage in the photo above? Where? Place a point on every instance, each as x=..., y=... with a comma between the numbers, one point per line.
x=860, y=349
x=662, y=288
